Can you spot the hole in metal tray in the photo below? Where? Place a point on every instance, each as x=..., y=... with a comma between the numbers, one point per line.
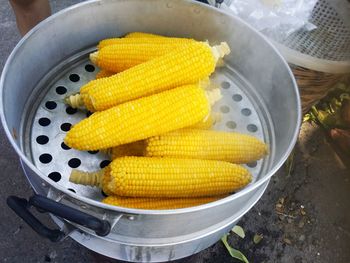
x=55, y=176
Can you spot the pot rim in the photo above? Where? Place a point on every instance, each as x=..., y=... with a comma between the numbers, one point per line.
x=249, y=188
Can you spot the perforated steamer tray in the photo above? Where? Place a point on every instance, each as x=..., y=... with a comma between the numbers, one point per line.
x=47, y=119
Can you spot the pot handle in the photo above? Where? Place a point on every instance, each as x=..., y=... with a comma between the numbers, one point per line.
x=21, y=207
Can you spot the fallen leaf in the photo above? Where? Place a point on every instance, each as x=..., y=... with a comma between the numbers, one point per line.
x=238, y=231
x=257, y=238
x=281, y=200
x=279, y=208
x=287, y=241
x=301, y=224
x=234, y=252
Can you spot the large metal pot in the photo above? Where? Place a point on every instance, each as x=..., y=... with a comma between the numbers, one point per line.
x=260, y=97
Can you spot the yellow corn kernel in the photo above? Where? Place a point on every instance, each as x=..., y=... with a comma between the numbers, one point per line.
x=207, y=144
x=169, y=178
x=142, y=35
x=139, y=119
x=180, y=67
x=119, y=57
x=137, y=41
x=157, y=203
x=104, y=74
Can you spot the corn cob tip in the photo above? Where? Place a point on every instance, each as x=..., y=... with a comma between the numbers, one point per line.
x=220, y=62
x=214, y=96
x=207, y=84
x=216, y=116
x=87, y=178
x=75, y=101
x=93, y=57
x=213, y=86
x=221, y=50
x=224, y=49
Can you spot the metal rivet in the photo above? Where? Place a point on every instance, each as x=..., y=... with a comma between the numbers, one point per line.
x=131, y=218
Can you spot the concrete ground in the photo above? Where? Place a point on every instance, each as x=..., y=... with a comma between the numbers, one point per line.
x=303, y=216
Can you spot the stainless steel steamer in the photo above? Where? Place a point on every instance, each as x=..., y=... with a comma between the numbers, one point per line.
x=260, y=98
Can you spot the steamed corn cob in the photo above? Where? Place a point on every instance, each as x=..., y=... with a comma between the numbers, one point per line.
x=206, y=144
x=143, y=40
x=104, y=74
x=139, y=119
x=121, y=56
x=186, y=66
x=142, y=35
x=157, y=203
x=167, y=177
x=137, y=148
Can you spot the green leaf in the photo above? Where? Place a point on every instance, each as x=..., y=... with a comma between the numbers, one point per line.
x=234, y=252
x=238, y=231
x=257, y=238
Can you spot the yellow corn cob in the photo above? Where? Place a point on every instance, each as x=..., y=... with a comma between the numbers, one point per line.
x=139, y=119
x=104, y=74
x=167, y=177
x=119, y=57
x=142, y=35
x=207, y=144
x=186, y=66
x=156, y=203
x=137, y=41
x=137, y=148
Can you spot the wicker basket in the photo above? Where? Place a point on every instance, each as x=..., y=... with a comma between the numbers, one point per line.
x=321, y=57
x=313, y=85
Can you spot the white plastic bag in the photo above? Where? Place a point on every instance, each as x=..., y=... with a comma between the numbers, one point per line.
x=277, y=19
